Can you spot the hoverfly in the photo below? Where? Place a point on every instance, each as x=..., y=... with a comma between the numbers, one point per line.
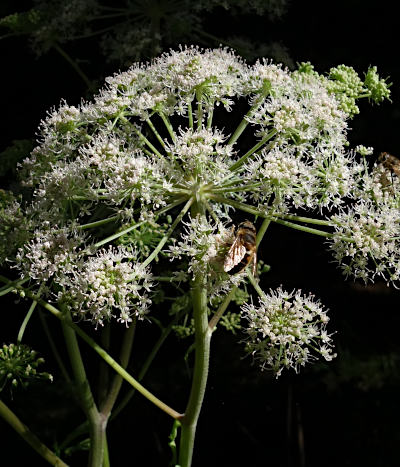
x=390, y=162
x=243, y=250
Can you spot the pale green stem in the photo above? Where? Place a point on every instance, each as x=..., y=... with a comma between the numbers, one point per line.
x=118, y=234
x=210, y=117
x=54, y=347
x=222, y=308
x=251, y=151
x=74, y=65
x=156, y=133
x=303, y=228
x=28, y=315
x=243, y=124
x=146, y=365
x=201, y=364
x=244, y=207
x=84, y=392
x=190, y=115
x=13, y=284
x=254, y=283
x=145, y=140
x=232, y=188
x=103, y=354
x=307, y=220
x=238, y=205
x=168, y=125
x=199, y=110
x=126, y=349
x=26, y=320
x=135, y=226
x=106, y=457
x=92, y=225
x=165, y=238
x=29, y=437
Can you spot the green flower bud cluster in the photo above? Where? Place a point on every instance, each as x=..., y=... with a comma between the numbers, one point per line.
x=18, y=366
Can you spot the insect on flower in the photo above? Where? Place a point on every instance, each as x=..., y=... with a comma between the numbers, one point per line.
x=243, y=250
x=390, y=162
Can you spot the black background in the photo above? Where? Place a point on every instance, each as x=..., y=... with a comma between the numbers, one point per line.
x=328, y=415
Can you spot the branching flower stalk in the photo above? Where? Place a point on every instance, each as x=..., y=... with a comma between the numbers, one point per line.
x=144, y=179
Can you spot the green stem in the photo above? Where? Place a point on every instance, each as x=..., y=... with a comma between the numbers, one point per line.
x=54, y=348
x=26, y=320
x=244, y=207
x=254, y=283
x=210, y=117
x=201, y=364
x=251, y=151
x=307, y=220
x=222, y=308
x=303, y=228
x=28, y=315
x=74, y=65
x=168, y=125
x=12, y=286
x=238, y=205
x=146, y=365
x=126, y=350
x=156, y=133
x=135, y=226
x=243, y=124
x=91, y=225
x=165, y=238
x=144, y=139
x=96, y=427
x=190, y=115
x=29, y=437
x=118, y=234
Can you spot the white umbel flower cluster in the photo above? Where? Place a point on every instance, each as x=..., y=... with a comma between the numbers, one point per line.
x=367, y=241
x=287, y=330
x=109, y=284
x=52, y=253
x=162, y=138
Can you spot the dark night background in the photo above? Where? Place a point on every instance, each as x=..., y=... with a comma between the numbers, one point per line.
x=343, y=413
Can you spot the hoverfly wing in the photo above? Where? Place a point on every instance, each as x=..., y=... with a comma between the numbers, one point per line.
x=235, y=255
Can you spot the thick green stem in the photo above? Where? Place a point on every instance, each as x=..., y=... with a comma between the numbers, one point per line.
x=29, y=437
x=201, y=364
x=96, y=427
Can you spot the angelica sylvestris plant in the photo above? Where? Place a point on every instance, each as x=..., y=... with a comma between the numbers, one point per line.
x=132, y=196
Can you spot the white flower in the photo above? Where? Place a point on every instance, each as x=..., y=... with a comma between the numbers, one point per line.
x=287, y=330
x=366, y=242
x=110, y=284
x=52, y=253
